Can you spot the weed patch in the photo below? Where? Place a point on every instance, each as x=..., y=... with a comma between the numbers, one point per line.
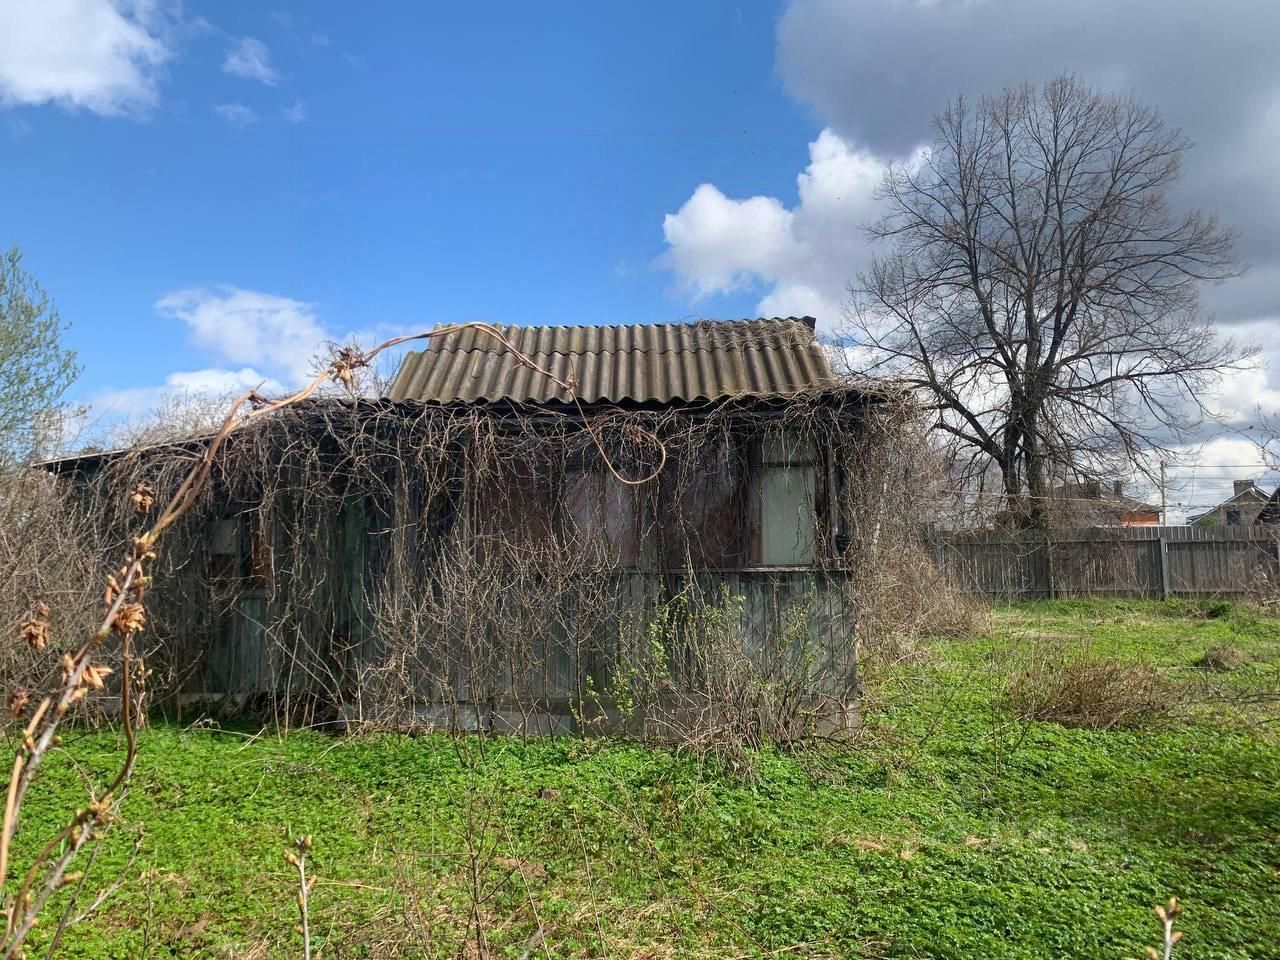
x=1221, y=659
x=1090, y=692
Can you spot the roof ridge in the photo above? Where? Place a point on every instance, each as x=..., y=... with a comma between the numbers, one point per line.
x=691, y=324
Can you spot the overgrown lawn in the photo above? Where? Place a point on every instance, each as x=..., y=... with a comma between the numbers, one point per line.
x=951, y=829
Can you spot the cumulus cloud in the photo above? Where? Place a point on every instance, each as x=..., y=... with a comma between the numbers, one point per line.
x=295, y=113
x=134, y=401
x=1208, y=474
x=187, y=403
x=239, y=326
x=251, y=59
x=104, y=56
x=262, y=341
x=876, y=72
x=719, y=245
x=805, y=256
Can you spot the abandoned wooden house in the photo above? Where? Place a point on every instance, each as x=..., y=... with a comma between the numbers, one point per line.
x=481, y=547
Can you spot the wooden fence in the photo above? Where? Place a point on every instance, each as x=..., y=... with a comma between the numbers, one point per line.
x=1121, y=561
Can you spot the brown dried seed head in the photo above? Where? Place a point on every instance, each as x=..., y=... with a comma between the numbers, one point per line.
x=35, y=631
x=18, y=701
x=95, y=677
x=1153, y=953
x=36, y=634
x=130, y=618
x=142, y=498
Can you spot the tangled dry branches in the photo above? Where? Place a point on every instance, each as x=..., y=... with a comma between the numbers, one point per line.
x=124, y=616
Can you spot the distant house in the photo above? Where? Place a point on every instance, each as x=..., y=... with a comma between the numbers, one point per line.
x=1271, y=512
x=1094, y=504
x=1244, y=506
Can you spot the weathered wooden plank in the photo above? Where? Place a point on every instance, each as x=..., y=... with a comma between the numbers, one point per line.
x=1152, y=561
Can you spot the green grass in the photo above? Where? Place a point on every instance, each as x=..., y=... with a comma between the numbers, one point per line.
x=949, y=831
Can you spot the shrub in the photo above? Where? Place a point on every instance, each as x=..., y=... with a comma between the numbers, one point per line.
x=1217, y=609
x=1221, y=659
x=1090, y=692
x=49, y=555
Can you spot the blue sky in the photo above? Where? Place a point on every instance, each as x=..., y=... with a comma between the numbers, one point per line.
x=498, y=161
x=211, y=189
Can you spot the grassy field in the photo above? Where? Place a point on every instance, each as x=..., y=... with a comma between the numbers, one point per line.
x=952, y=828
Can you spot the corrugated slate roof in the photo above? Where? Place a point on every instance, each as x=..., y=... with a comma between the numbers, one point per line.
x=665, y=362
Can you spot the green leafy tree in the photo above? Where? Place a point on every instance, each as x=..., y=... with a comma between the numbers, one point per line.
x=38, y=369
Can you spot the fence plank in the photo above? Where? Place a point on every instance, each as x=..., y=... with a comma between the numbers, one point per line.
x=1121, y=561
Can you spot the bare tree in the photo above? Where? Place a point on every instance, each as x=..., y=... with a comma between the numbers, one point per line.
x=1040, y=293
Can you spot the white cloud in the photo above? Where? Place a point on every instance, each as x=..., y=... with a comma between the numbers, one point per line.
x=134, y=401
x=1206, y=67
x=296, y=113
x=718, y=245
x=258, y=340
x=236, y=114
x=251, y=59
x=1242, y=394
x=99, y=55
x=806, y=255
x=1206, y=475
x=280, y=334
x=188, y=403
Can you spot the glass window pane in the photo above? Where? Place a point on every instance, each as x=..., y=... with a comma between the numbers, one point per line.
x=788, y=521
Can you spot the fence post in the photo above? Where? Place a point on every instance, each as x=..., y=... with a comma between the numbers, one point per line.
x=1048, y=567
x=1164, y=568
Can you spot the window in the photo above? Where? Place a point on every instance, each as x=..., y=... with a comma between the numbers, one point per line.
x=512, y=510
x=703, y=514
x=225, y=552
x=788, y=501
x=240, y=549
x=600, y=514
x=1233, y=516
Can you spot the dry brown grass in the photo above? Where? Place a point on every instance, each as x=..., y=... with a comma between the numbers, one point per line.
x=1084, y=690
x=905, y=600
x=1221, y=659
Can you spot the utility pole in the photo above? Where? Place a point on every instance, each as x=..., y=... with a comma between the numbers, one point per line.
x=1164, y=497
